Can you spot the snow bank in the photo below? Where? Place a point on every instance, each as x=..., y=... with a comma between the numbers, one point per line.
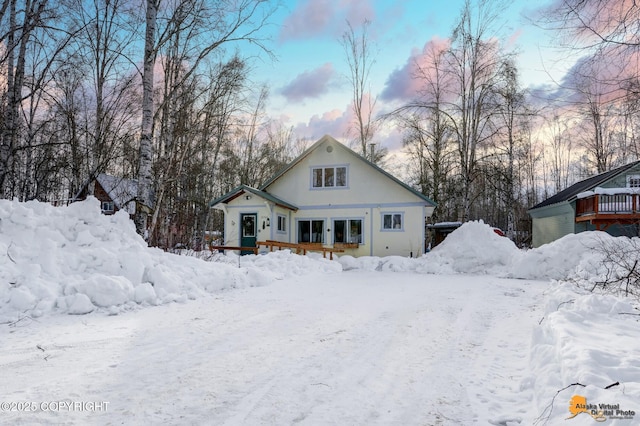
x=584, y=344
x=475, y=249
x=563, y=258
x=75, y=260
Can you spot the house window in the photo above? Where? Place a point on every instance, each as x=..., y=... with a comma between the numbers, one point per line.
x=282, y=224
x=393, y=221
x=311, y=231
x=633, y=181
x=347, y=231
x=329, y=177
x=107, y=207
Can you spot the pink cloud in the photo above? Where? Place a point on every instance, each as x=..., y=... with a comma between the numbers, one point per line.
x=337, y=123
x=310, y=84
x=593, y=79
x=407, y=82
x=334, y=123
x=357, y=12
x=513, y=38
x=587, y=22
x=321, y=17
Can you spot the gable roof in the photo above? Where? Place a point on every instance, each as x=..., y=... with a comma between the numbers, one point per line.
x=584, y=185
x=239, y=190
x=122, y=191
x=327, y=138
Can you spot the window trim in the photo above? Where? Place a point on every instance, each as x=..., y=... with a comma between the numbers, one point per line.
x=383, y=214
x=335, y=167
x=279, y=229
x=311, y=220
x=348, y=220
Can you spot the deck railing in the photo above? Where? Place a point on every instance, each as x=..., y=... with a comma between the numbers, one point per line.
x=608, y=204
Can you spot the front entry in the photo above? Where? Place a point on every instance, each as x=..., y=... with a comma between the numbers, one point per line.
x=248, y=237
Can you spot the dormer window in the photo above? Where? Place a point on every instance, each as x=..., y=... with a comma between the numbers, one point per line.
x=329, y=177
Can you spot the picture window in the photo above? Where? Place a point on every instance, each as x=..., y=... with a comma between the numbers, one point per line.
x=347, y=231
x=329, y=177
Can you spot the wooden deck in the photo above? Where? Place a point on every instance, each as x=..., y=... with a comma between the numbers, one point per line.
x=301, y=247
x=604, y=210
x=271, y=244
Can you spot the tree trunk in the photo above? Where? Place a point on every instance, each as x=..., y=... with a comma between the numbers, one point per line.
x=143, y=205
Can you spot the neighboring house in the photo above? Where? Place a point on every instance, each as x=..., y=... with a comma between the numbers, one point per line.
x=608, y=202
x=114, y=193
x=331, y=196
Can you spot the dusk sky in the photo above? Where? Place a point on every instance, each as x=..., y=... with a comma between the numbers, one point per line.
x=308, y=81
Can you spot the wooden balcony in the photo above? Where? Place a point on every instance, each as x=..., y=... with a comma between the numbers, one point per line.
x=603, y=210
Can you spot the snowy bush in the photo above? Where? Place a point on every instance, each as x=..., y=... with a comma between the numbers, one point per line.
x=618, y=271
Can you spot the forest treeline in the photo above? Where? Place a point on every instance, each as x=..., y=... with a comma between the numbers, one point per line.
x=161, y=92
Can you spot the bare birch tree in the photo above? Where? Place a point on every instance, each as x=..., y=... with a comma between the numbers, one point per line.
x=17, y=38
x=511, y=116
x=195, y=30
x=143, y=204
x=474, y=61
x=428, y=133
x=360, y=59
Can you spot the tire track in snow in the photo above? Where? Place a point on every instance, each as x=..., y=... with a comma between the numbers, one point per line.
x=361, y=348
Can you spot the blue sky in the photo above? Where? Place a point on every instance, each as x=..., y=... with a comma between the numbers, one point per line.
x=309, y=88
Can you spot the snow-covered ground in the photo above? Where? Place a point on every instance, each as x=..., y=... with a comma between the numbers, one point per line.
x=475, y=332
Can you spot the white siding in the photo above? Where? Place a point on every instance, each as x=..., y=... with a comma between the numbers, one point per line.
x=364, y=184
x=239, y=206
x=367, y=196
x=282, y=236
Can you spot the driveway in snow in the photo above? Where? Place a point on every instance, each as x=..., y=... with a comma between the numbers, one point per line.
x=356, y=348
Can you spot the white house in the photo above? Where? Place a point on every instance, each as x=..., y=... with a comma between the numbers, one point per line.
x=329, y=195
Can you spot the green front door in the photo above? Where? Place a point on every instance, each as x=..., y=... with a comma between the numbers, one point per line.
x=248, y=223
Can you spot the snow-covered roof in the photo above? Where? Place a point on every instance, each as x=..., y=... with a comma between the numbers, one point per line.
x=608, y=191
x=122, y=191
x=445, y=225
x=584, y=185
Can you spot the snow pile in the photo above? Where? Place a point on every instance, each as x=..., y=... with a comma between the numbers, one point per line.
x=584, y=344
x=563, y=258
x=281, y=264
x=74, y=259
x=475, y=249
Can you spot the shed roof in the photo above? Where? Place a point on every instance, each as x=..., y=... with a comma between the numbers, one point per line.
x=584, y=185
